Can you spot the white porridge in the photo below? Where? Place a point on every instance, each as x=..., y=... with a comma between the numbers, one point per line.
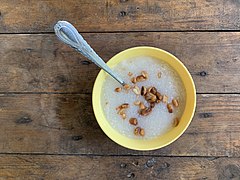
x=150, y=104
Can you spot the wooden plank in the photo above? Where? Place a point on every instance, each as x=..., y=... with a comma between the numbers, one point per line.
x=40, y=63
x=115, y=15
x=97, y=167
x=65, y=124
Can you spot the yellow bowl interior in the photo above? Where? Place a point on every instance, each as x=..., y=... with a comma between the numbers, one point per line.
x=169, y=137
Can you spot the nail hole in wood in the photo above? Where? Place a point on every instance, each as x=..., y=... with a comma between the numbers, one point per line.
x=123, y=165
x=85, y=62
x=76, y=138
x=203, y=73
x=23, y=120
x=131, y=175
x=123, y=13
x=205, y=115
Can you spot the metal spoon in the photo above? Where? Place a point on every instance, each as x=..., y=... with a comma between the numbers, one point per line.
x=68, y=34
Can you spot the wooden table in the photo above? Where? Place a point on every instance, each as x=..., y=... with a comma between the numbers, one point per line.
x=48, y=130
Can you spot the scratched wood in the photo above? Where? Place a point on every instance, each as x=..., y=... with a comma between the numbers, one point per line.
x=120, y=15
x=65, y=124
x=40, y=63
x=117, y=167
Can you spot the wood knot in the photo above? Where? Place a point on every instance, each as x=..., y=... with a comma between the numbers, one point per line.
x=203, y=73
x=150, y=163
x=23, y=120
x=123, y=1
x=205, y=115
x=76, y=138
x=28, y=50
x=123, y=13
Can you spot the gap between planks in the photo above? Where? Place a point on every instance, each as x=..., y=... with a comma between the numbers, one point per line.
x=102, y=32
x=112, y=155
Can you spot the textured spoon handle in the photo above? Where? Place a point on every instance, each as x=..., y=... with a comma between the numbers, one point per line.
x=68, y=34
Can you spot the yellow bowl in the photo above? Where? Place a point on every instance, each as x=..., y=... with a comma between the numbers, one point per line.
x=169, y=137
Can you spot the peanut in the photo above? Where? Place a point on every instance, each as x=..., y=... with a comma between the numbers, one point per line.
x=175, y=102
x=133, y=121
x=118, y=89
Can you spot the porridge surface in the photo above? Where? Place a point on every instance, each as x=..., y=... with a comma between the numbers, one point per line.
x=159, y=121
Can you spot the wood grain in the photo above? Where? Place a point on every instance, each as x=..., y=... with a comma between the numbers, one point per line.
x=115, y=15
x=65, y=124
x=40, y=63
x=48, y=129
x=97, y=167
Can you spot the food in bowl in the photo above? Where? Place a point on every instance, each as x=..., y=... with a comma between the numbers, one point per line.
x=150, y=104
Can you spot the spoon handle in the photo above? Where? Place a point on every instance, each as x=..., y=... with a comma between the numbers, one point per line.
x=68, y=34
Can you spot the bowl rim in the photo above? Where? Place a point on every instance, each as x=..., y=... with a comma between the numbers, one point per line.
x=96, y=104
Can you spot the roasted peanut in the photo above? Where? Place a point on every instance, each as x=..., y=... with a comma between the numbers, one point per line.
x=124, y=116
x=123, y=106
x=175, y=102
x=121, y=111
x=133, y=80
x=170, y=108
x=141, y=106
x=137, y=131
x=137, y=103
x=140, y=78
x=154, y=90
x=159, y=96
x=175, y=122
x=143, y=91
x=133, y=121
x=118, y=89
x=165, y=99
x=146, y=111
x=142, y=132
x=127, y=86
x=130, y=74
x=150, y=97
x=145, y=74
x=136, y=90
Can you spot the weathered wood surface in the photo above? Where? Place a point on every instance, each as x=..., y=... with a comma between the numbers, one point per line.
x=120, y=15
x=65, y=124
x=117, y=167
x=40, y=63
x=48, y=129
